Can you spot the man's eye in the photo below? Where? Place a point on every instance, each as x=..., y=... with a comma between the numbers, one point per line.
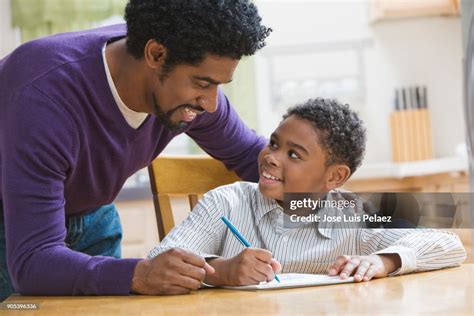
x=204, y=85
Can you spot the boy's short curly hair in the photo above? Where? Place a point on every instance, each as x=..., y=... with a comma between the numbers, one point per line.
x=190, y=29
x=342, y=133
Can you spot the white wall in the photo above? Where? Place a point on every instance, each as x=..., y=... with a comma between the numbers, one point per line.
x=9, y=38
x=423, y=51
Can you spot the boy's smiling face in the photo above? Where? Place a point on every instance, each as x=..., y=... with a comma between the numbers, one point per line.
x=295, y=161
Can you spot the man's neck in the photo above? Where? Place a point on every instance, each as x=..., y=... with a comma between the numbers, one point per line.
x=126, y=72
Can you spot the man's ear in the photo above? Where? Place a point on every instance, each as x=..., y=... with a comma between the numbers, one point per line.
x=155, y=54
x=336, y=175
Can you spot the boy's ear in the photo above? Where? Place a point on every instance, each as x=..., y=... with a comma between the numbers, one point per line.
x=336, y=175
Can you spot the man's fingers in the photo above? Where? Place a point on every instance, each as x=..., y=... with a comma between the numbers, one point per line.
x=191, y=271
x=189, y=257
x=172, y=290
x=187, y=282
x=337, y=266
x=195, y=260
x=175, y=271
x=169, y=278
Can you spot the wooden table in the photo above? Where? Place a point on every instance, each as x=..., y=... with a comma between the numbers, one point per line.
x=444, y=292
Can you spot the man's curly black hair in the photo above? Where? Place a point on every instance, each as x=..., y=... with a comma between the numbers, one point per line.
x=190, y=29
x=342, y=133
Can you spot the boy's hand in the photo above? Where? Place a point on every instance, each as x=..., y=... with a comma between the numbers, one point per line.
x=251, y=266
x=365, y=268
x=175, y=271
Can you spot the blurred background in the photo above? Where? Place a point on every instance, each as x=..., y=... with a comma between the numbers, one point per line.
x=358, y=51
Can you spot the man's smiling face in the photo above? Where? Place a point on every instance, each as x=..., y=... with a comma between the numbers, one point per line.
x=187, y=91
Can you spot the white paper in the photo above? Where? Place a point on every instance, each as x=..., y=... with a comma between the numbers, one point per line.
x=291, y=280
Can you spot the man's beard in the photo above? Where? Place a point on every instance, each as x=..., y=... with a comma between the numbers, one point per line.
x=165, y=118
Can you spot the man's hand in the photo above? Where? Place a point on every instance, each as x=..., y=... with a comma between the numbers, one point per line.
x=175, y=271
x=365, y=268
x=251, y=266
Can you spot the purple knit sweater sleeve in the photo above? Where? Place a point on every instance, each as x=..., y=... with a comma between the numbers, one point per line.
x=225, y=137
x=36, y=159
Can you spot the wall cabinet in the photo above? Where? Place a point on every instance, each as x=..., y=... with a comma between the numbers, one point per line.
x=381, y=10
x=441, y=182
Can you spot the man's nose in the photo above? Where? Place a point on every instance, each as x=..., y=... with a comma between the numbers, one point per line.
x=208, y=101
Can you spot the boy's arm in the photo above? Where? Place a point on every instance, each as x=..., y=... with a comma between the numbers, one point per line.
x=251, y=266
x=202, y=232
x=386, y=252
x=418, y=249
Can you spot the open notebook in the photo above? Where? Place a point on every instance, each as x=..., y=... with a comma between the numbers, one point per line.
x=289, y=280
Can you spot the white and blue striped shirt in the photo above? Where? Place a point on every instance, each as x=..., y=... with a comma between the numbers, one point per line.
x=305, y=249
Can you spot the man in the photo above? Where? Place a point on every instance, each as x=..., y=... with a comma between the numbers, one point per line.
x=81, y=112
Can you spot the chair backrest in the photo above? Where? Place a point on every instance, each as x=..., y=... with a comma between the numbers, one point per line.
x=189, y=176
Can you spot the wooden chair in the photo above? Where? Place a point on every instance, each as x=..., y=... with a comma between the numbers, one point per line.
x=189, y=176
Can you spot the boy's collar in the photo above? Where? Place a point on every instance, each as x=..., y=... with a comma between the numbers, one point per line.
x=265, y=205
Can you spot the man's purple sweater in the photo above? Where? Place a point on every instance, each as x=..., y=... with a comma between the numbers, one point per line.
x=65, y=148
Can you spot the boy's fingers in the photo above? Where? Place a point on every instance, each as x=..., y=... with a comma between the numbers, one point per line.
x=262, y=255
x=266, y=271
x=337, y=266
x=370, y=273
x=209, y=269
x=361, y=270
x=349, y=267
x=276, y=266
x=252, y=280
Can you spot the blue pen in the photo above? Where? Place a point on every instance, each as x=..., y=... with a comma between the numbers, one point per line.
x=239, y=236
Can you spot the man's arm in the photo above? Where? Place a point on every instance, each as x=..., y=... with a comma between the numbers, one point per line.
x=224, y=136
x=175, y=271
x=38, y=150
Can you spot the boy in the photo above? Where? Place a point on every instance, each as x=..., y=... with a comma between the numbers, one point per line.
x=316, y=148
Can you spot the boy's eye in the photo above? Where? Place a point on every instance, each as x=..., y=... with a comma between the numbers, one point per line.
x=292, y=154
x=272, y=144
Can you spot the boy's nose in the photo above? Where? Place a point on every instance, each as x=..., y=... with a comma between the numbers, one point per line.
x=272, y=160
